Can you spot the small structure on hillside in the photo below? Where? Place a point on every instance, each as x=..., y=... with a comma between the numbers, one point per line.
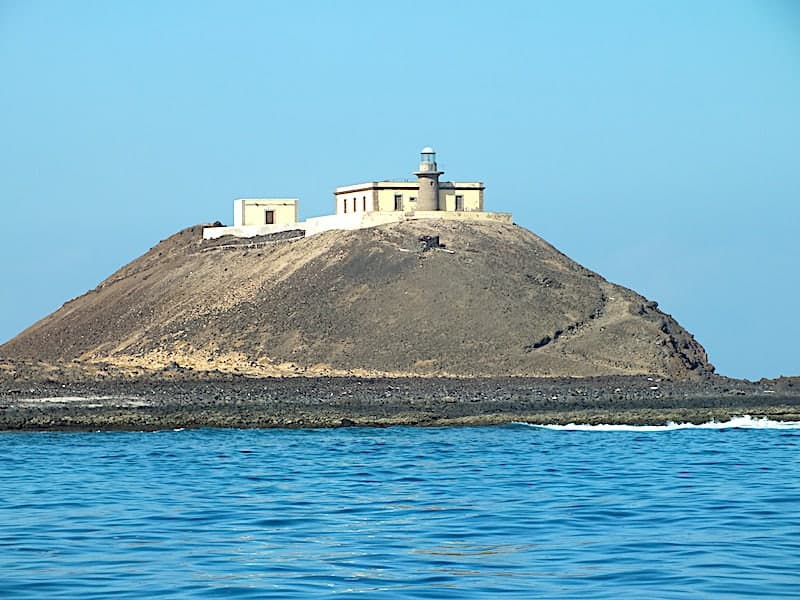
x=366, y=205
x=264, y=211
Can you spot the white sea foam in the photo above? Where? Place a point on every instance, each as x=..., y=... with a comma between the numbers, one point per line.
x=743, y=422
x=85, y=401
x=64, y=399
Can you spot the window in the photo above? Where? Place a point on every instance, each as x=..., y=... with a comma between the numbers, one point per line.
x=398, y=201
x=354, y=204
x=459, y=202
x=269, y=217
x=364, y=203
x=344, y=204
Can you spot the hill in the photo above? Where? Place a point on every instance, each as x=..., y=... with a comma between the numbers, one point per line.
x=498, y=300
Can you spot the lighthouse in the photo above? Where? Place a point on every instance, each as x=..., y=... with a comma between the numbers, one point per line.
x=428, y=177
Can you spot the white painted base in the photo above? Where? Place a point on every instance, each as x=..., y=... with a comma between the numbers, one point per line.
x=350, y=221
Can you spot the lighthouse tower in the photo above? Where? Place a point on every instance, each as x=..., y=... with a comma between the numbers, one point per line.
x=428, y=177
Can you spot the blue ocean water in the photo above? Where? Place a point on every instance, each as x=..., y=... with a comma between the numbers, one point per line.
x=514, y=511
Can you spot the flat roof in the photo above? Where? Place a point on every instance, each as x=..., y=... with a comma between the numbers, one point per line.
x=267, y=199
x=407, y=185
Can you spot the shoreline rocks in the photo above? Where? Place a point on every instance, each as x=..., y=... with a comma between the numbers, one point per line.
x=37, y=404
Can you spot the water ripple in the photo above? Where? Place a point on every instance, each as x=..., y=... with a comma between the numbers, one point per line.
x=383, y=513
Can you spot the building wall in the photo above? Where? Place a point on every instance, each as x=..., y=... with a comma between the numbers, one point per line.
x=408, y=197
x=380, y=196
x=376, y=196
x=252, y=211
x=359, y=201
x=471, y=197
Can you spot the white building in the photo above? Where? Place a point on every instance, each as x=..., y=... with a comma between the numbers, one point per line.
x=427, y=193
x=366, y=205
x=264, y=211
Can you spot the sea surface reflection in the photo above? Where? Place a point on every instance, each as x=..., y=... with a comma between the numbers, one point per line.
x=516, y=511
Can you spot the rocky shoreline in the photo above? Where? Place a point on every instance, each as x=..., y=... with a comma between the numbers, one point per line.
x=191, y=401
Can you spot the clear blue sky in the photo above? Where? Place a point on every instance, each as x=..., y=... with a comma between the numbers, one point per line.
x=657, y=143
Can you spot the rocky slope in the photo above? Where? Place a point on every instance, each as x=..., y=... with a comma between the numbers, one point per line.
x=498, y=300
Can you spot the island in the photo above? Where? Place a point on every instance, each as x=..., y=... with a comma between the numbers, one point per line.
x=410, y=305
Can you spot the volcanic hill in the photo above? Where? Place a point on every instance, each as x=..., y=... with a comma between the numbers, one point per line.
x=496, y=300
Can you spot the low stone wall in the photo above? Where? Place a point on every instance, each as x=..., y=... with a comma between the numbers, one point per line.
x=352, y=221
x=463, y=216
x=247, y=231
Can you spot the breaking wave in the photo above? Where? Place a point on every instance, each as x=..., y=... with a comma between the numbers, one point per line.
x=743, y=422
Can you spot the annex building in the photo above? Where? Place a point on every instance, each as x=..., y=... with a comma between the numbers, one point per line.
x=364, y=205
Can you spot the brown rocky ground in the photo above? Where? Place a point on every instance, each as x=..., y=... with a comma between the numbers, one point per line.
x=497, y=301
